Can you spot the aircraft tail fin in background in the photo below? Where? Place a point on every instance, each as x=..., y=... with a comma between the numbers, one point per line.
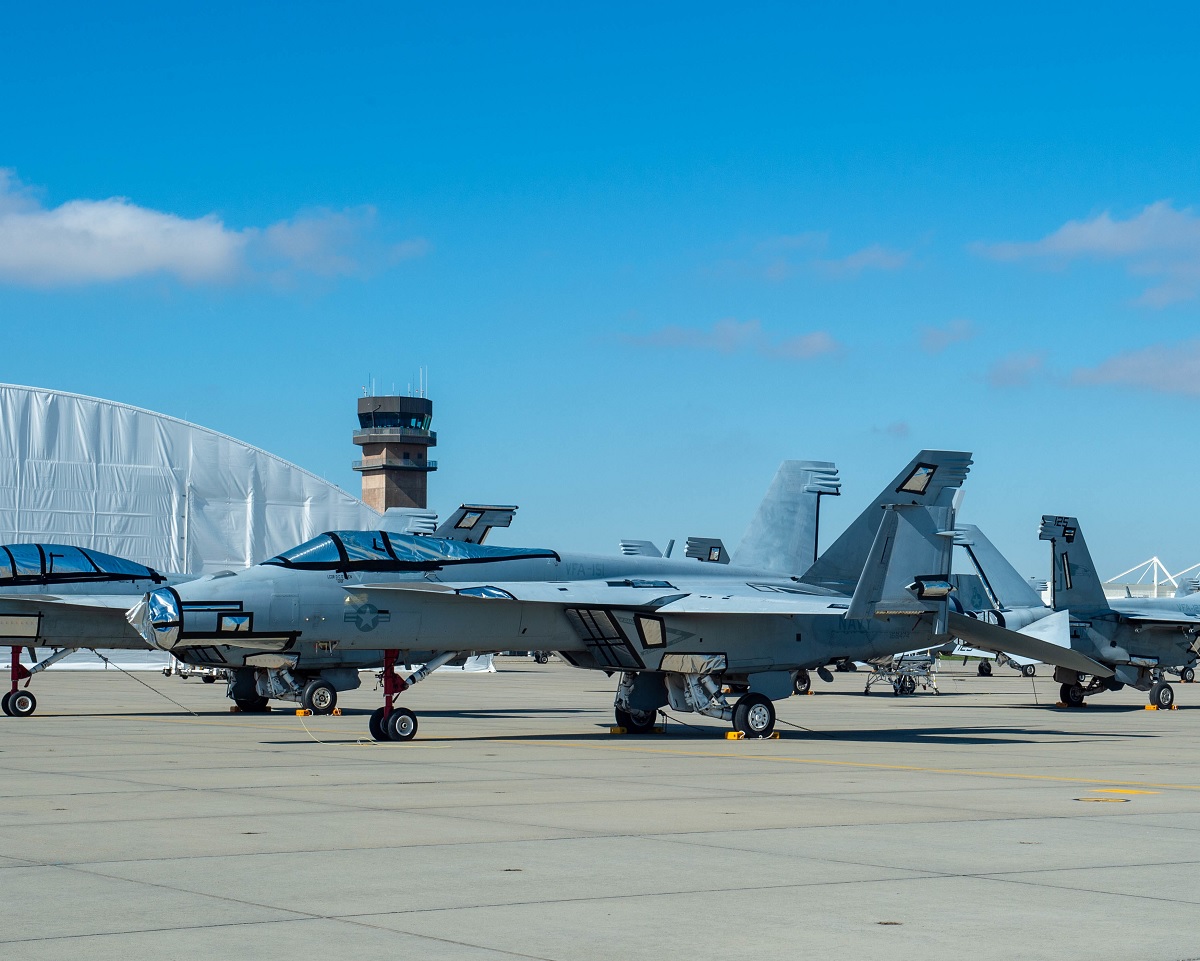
x=782, y=535
x=473, y=522
x=907, y=571
x=931, y=479
x=1004, y=586
x=1074, y=581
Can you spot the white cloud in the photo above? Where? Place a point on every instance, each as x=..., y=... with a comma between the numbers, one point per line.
x=784, y=256
x=1160, y=242
x=874, y=257
x=733, y=336
x=98, y=241
x=1016, y=370
x=934, y=340
x=1161, y=368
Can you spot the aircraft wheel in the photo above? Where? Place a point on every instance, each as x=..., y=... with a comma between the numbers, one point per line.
x=985, y=668
x=908, y=684
x=376, y=726
x=208, y=679
x=1071, y=695
x=4, y=703
x=251, y=705
x=1162, y=695
x=1187, y=675
x=541, y=657
x=635, y=722
x=401, y=725
x=754, y=715
x=319, y=697
x=21, y=703
x=802, y=683
x=1028, y=670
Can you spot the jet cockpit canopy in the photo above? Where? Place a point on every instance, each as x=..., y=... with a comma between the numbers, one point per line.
x=60, y=564
x=390, y=551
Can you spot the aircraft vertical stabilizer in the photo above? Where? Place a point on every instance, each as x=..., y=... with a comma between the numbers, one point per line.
x=1075, y=583
x=782, y=535
x=908, y=567
x=1005, y=587
x=931, y=479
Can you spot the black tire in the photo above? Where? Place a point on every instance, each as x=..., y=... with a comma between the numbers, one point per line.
x=802, y=683
x=754, y=715
x=985, y=668
x=4, y=703
x=21, y=703
x=1162, y=696
x=635, y=722
x=319, y=697
x=1028, y=670
x=251, y=705
x=1187, y=675
x=401, y=725
x=908, y=684
x=1071, y=695
x=207, y=678
x=376, y=727
x=541, y=657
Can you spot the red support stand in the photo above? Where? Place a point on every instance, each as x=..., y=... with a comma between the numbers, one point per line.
x=393, y=683
x=18, y=672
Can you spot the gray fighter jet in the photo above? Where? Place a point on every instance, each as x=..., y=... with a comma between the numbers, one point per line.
x=679, y=633
x=65, y=598
x=69, y=598
x=1136, y=639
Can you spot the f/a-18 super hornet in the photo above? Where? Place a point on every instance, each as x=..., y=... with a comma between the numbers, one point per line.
x=1136, y=639
x=66, y=599
x=317, y=665
x=679, y=633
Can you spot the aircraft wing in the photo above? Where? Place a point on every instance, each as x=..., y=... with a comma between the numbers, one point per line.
x=1163, y=619
x=991, y=637
x=91, y=602
x=666, y=599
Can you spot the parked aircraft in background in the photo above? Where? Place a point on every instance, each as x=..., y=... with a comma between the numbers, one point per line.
x=998, y=594
x=1137, y=639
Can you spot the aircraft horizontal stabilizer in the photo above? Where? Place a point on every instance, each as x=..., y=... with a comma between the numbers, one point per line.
x=1000, y=640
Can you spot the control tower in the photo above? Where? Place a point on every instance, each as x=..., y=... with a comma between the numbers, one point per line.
x=395, y=438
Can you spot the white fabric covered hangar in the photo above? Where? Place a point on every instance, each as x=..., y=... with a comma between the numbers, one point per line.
x=154, y=489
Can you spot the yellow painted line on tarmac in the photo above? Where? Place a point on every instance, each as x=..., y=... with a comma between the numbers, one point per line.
x=1127, y=790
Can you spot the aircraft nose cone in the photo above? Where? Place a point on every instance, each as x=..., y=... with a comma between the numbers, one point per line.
x=157, y=618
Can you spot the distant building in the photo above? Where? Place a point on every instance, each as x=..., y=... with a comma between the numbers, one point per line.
x=395, y=438
x=160, y=491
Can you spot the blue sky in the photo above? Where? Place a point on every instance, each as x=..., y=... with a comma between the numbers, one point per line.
x=646, y=252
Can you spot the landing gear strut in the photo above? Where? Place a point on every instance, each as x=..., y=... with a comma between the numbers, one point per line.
x=22, y=703
x=391, y=723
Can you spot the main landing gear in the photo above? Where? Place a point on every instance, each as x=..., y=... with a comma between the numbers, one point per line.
x=391, y=723
x=1075, y=693
x=640, y=695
